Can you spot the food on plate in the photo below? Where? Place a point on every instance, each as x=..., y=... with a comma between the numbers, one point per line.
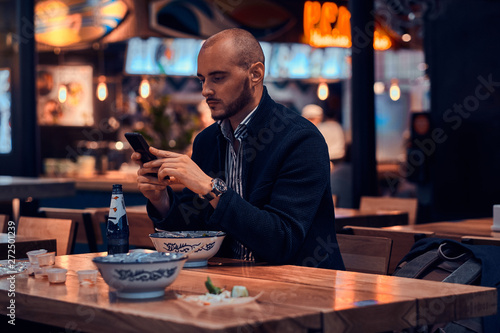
x=219, y=296
x=239, y=291
x=211, y=288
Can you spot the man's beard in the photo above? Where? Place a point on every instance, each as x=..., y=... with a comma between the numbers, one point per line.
x=238, y=104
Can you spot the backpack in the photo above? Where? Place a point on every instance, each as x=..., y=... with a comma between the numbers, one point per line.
x=445, y=261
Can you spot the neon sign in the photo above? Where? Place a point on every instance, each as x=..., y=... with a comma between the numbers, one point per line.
x=328, y=25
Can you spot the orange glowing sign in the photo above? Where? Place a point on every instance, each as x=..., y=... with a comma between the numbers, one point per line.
x=328, y=25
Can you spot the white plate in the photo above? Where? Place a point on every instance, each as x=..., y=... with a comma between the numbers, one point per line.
x=213, y=300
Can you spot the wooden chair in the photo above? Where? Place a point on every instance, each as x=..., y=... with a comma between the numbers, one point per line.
x=63, y=230
x=408, y=205
x=140, y=226
x=478, y=240
x=87, y=231
x=4, y=220
x=402, y=241
x=365, y=254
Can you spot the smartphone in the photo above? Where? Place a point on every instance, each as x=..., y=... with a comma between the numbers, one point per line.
x=140, y=145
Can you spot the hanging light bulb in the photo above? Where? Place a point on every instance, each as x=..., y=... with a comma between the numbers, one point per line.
x=102, y=89
x=323, y=91
x=394, y=91
x=62, y=94
x=378, y=88
x=144, y=88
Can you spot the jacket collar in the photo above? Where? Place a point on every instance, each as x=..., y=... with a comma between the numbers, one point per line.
x=261, y=116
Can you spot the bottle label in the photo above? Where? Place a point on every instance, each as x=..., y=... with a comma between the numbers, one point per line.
x=117, y=209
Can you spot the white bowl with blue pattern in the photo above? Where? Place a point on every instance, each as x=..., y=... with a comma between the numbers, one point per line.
x=140, y=275
x=199, y=245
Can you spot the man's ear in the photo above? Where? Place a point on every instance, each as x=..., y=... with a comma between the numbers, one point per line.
x=257, y=71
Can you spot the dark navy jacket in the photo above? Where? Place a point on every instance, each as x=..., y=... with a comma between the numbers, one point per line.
x=286, y=214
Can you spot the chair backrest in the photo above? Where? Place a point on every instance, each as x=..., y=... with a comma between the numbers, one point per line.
x=4, y=220
x=87, y=231
x=140, y=226
x=478, y=240
x=408, y=205
x=99, y=219
x=365, y=254
x=402, y=241
x=62, y=230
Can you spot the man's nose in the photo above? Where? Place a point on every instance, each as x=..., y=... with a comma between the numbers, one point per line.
x=206, y=90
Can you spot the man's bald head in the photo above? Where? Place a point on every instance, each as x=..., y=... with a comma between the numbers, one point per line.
x=246, y=48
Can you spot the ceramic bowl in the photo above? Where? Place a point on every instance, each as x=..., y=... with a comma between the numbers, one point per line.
x=199, y=245
x=140, y=275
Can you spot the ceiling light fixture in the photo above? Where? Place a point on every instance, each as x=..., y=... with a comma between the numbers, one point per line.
x=323, y=91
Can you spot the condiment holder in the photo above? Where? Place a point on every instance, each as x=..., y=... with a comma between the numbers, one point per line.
x=33, y=255
x=39, y=272
x=46, y=259
x=57, y=275
x=87, y=277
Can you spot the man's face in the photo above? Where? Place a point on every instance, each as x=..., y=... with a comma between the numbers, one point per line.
x=226, y=86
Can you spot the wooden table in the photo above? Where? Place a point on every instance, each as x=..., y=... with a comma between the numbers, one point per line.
x=378, y=218
x=294, y=299
x=17, y=188
x=454, y=229
x=22, y=245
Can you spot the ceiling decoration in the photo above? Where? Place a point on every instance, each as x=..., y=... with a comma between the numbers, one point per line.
x=202, y=18
x=62, y=23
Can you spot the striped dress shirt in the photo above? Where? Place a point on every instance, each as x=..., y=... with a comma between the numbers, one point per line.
x=234, y=169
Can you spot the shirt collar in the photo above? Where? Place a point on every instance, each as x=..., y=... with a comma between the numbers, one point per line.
x=240, y=131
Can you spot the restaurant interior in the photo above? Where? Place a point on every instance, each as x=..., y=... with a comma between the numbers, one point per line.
x=413, y=84
x=439, y=55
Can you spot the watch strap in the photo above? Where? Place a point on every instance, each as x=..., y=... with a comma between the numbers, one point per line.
x=209, y=196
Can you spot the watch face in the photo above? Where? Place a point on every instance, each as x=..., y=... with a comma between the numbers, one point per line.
x=219, y=185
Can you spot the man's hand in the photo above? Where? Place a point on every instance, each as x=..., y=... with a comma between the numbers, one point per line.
x=151, y=187
x=181, y=169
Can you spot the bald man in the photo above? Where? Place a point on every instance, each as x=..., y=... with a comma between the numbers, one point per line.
x=260, y=173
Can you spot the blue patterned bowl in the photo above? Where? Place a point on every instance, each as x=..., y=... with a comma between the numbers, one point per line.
x=199, y=245
x=140, y=275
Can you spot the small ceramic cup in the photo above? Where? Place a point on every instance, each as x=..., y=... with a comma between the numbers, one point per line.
x=46, y=259
x=39, y=272
x=87, y=277
x=33, y=255
x=57, y=275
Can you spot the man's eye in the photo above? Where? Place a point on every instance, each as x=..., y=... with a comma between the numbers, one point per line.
x=217, y=78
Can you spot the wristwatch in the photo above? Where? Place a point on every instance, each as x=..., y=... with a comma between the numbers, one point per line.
x=219, y=187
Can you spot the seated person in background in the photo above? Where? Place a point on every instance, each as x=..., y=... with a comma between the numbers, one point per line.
x=332, y=131
x=260, y=173
x=341, y=181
